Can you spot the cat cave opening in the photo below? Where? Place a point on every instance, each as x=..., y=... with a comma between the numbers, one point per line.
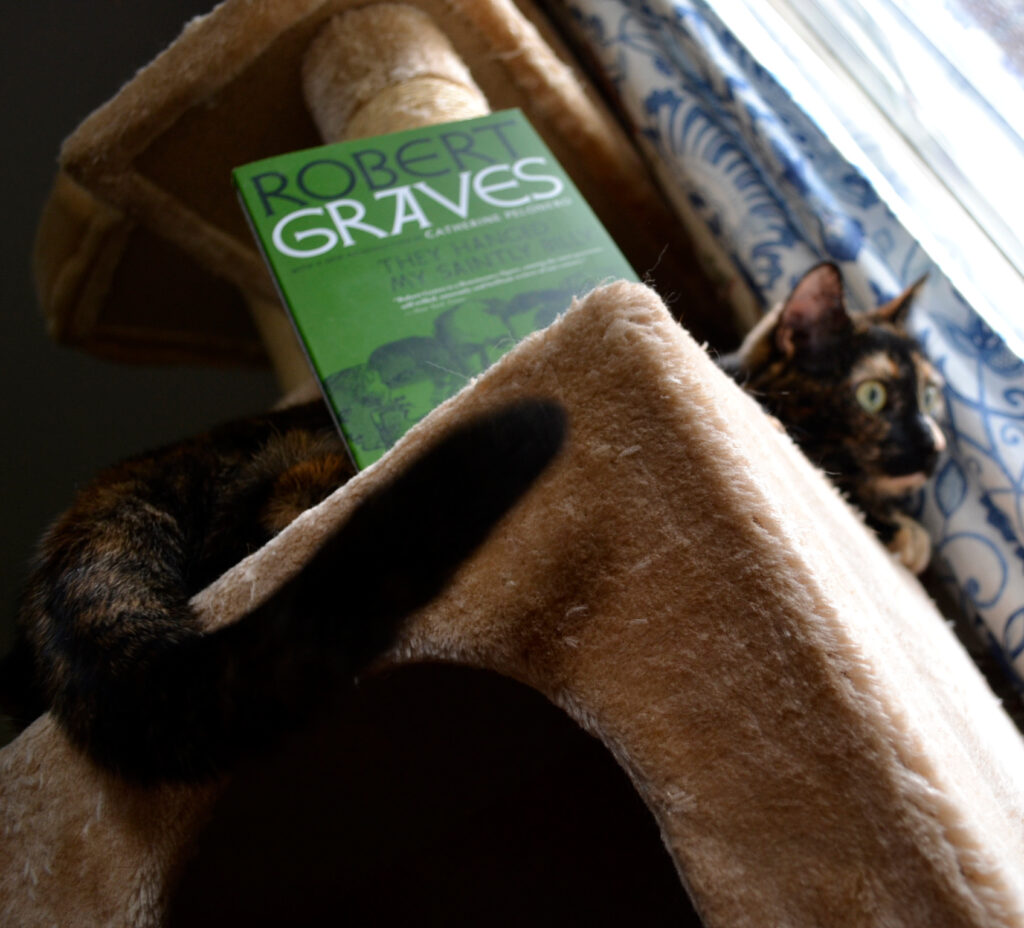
x=435, y=795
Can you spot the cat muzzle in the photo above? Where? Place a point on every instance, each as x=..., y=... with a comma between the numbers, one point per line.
x=901, y=485
x=910, y=469
x=916, y=451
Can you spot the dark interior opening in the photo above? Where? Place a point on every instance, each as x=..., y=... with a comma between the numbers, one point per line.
x=434, y=796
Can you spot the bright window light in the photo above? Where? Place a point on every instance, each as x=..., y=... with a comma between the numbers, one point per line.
x=924, y=103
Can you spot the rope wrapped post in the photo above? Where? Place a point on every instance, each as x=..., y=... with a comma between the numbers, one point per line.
x=382, y=69
x=371, y=71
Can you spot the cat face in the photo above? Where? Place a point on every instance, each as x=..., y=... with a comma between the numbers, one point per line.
x=896, y=402
x=854, y=391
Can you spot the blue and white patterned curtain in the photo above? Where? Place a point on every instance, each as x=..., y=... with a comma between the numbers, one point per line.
x=766, y=190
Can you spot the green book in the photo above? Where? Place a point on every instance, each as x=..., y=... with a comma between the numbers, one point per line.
x=411, y=262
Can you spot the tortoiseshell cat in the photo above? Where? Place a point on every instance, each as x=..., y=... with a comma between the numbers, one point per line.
x=856, y=394
x=107, y=638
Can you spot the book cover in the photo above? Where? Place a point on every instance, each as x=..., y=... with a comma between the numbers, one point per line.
x=410, y=262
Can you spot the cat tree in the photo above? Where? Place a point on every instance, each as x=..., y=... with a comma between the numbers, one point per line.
x=812, y=742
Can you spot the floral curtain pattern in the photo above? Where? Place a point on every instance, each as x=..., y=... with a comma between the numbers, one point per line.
x=752, y=172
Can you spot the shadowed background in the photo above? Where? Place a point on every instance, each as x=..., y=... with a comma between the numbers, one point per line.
x=66, y=414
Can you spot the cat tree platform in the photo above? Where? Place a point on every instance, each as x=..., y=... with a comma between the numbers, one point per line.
x=143, y=253
x=815, y=746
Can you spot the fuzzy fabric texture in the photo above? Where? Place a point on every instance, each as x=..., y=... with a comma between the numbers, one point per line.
x=814, y=743
x=143, y=252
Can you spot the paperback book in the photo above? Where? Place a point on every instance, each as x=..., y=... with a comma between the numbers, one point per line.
x=411, y=262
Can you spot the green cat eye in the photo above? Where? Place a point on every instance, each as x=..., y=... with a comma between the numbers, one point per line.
x=931, y=399
x=871, y=395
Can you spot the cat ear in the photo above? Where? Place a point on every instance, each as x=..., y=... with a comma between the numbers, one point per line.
x=897, y=309
x=814, y=317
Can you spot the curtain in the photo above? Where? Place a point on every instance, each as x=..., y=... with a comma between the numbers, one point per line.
x=767, y=195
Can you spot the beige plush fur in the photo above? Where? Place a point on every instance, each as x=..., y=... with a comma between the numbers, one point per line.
x=816, y=747
x=143, y=197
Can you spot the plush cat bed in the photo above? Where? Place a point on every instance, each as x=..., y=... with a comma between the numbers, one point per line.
x=812, y=741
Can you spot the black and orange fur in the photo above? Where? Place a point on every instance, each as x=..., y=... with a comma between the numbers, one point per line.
x=107, y=638
x=815, y=366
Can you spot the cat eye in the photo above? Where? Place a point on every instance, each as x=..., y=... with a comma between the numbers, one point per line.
x=872, y=395
x=931, y=399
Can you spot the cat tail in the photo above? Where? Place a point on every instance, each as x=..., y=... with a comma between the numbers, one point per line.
x=188, y=704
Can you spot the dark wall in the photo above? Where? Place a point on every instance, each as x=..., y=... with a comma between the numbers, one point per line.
x=66, y=414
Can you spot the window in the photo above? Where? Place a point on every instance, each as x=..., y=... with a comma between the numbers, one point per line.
x=922, y=98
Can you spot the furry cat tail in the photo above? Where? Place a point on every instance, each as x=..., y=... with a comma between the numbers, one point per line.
x=151, y=695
